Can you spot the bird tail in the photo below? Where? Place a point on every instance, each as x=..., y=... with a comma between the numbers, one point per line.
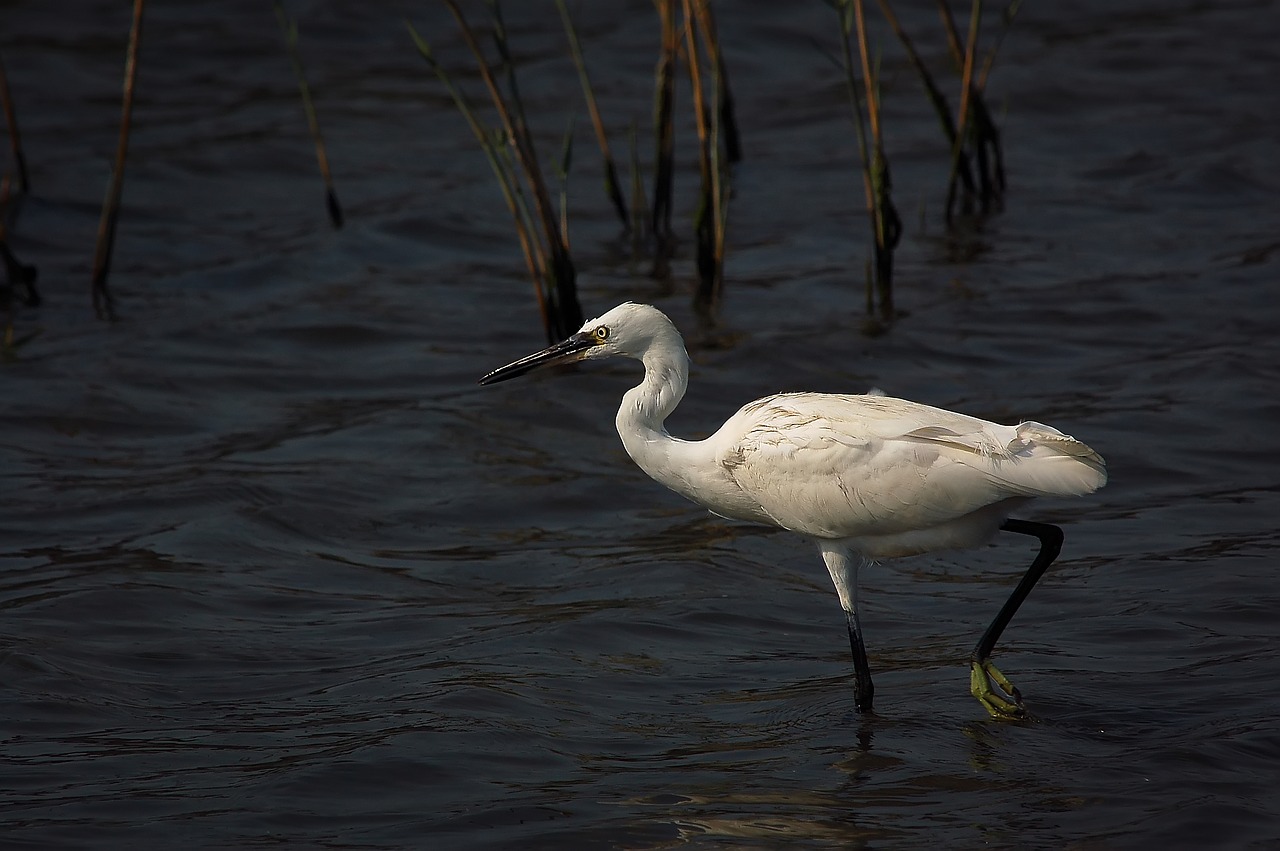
x=1059, y=464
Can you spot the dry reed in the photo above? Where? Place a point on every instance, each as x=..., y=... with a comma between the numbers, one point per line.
x=975, y=124
x=938, y=100
x=711, y=216
x=664, y=136
x=103, y=303
x=877, y=185
x=543, y=239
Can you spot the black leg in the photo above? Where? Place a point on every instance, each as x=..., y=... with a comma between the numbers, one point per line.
x=863, y=688
x=1050, y=545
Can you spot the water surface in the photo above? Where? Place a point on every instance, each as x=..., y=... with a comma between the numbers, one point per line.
x=274, y=570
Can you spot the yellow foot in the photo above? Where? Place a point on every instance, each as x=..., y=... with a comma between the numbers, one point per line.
x=994, y=691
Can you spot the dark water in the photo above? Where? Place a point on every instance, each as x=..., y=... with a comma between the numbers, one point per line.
x=274, y=571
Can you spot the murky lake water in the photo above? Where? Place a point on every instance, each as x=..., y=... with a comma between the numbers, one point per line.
x=274, y=570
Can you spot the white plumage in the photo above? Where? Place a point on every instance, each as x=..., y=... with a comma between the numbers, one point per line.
x=888, y=476
x=864, y=476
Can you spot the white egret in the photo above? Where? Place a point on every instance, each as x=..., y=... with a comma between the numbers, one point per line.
x=864, y=477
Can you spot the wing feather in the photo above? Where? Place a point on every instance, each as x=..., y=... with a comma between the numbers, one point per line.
x=852, y=466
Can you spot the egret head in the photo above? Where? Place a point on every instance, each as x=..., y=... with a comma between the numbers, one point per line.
x=627, y=330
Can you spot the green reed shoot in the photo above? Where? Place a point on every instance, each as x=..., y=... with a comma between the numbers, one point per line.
x=936, y=98
x=976, y=126
x=664, y=135
x=494, y=147
x=1006, y=23
x=638, y=202
x=612, y=186
x=562, y=174
x=511, y=154
x=289, y=27
x=559, y=277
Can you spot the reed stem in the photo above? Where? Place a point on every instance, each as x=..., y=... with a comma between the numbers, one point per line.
x=886, y=225
x=15, y=138
x=664, y=134
x=612, y=186
x=289, y=27
x=102, y=301
x=731, y=138
x=563, y=166
x=710, y=221
x=564, y=313
x=939, y=101
x=976, y=126
x=530, y=246
x=704, y=224
x=639, y=203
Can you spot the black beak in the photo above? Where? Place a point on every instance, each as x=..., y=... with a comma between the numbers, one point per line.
x=563, y=352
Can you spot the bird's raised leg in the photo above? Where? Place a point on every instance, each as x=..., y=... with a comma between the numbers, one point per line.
x=844, y=575
x=992, y=689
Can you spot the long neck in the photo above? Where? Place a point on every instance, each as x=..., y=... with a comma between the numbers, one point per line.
x=645, y=408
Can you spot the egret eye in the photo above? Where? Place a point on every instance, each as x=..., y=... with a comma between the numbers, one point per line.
x=601, y=334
